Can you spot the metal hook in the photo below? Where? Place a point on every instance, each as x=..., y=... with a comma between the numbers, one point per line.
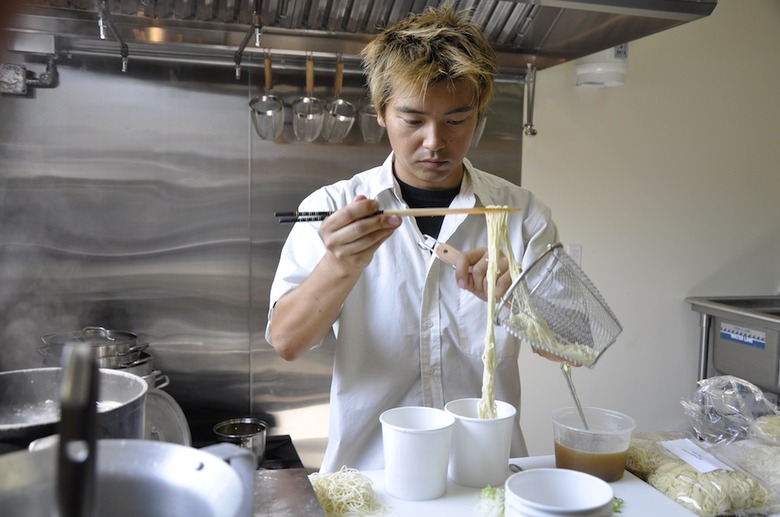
x=428, y=243
x=443, y=252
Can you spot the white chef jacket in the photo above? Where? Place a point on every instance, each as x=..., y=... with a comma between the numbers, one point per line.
x=407, y=335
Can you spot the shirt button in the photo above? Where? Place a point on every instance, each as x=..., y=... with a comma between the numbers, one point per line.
x=429, y=323
x=429, y=370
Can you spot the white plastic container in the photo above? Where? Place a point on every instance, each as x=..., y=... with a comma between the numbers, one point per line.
x=600, y=450
x=480, y=446
x=416, y=443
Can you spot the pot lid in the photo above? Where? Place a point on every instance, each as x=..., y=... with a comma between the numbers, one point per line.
x=93, y=336
x=165, y=420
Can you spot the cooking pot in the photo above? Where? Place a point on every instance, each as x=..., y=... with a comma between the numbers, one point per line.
x=138, y=477
x=136, y=357
x=145, y=369
x=84, y=476
x=29, y=404
x=112, y=348
x=248, y=432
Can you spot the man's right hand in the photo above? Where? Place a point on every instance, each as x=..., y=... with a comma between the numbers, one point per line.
x=353, y=233
x=303, y=316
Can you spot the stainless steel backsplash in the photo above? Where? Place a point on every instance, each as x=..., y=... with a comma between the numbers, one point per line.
x=145, y=202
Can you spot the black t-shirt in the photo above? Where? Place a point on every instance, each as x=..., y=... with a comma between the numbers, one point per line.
x=422, y=198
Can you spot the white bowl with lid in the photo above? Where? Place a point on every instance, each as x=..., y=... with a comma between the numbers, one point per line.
x=553, y=492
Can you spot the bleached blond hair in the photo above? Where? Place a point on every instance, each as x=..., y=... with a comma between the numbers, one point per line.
x=439, y=44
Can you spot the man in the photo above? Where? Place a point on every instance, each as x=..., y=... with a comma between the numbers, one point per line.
x=409, y=330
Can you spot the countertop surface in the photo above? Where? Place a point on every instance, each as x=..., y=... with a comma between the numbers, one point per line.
x=285, y=493
x=639, y=498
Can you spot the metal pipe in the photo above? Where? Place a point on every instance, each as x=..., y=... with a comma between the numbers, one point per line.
x=47, y=79
x=104, y=18
x=289, y=61
x=704, y=345
x=530, y=90
x=254, y=28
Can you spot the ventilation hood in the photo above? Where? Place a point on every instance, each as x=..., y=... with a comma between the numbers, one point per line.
x=535, y=33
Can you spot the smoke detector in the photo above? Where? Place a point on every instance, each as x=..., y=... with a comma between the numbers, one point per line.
x=603, y=69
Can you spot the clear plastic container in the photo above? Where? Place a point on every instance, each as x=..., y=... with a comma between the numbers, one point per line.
x=600, y=450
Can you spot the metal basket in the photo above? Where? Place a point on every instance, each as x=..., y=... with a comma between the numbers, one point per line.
x=555, y=307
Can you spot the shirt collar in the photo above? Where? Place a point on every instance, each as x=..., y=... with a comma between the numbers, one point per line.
x=471, y=187
x=385, y=181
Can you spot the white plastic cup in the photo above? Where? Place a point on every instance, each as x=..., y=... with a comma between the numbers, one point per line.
x=416, y=443
x=480, y=446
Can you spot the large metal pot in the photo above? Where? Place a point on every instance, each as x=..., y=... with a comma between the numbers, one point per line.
x=111, y=348
x=30, y=404
x=136, y=478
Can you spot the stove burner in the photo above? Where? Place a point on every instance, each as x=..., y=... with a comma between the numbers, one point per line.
x=280, y=453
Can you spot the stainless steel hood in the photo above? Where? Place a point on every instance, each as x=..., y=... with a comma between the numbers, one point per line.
x=540, y=33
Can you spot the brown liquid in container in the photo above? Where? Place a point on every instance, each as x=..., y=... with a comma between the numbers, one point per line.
x=607, y=466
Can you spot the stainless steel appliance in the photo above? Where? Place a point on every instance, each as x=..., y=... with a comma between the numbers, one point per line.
x=740, y=336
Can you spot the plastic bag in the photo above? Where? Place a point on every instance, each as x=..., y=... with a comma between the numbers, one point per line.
x=710, y=494
x=726, y=409
x=755, y=457
x=767, y=429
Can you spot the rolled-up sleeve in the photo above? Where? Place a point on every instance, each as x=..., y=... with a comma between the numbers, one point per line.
x=301, y=252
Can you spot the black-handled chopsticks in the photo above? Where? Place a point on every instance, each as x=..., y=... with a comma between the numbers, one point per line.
x=297, y=217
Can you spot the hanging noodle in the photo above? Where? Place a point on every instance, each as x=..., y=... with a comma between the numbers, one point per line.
x=524, y=316
x=498, y=238
x=346, y=492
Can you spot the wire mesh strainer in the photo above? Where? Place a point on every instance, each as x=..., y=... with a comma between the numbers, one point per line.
x=555, y=307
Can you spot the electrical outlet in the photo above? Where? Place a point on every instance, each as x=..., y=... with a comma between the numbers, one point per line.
x=575, y=252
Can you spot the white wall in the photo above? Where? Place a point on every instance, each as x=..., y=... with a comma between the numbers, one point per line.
x=671, y=184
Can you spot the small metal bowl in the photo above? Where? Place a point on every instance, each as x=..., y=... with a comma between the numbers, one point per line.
x=247, y=432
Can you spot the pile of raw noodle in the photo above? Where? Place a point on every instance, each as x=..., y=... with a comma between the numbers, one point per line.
x=712, y=494
x=346, y=492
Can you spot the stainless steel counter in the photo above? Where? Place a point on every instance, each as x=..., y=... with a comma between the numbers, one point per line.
x=285, y=493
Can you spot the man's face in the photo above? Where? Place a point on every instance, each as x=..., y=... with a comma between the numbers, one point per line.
x=431, y=134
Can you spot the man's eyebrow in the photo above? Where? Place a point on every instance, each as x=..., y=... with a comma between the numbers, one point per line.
x=414, y=111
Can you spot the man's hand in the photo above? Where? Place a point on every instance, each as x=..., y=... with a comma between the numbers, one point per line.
x=471, y=273
x=304, y=315
x=353, y=233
